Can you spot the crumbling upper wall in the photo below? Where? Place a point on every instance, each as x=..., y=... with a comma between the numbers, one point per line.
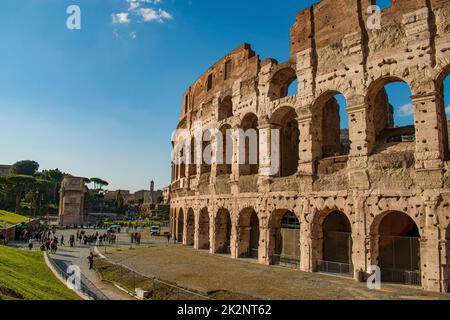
x=241, y=64
x=329, y=21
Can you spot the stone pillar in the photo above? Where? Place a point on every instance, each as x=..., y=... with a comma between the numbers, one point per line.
x=309, y=150
x=235, y=165
x=359, y=256
x=305, y=240
x=197, y=231
x=234, y=238
x=432, y=266
x=269, y=150
x=264, y=256
x=212, y=232
x=429, y=151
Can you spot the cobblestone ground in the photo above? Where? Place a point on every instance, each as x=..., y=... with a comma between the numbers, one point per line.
x=203, y=272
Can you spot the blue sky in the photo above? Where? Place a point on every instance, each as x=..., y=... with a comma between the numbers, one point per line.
x=103, y=101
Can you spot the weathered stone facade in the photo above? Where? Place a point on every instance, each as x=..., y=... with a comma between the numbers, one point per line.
x=378, y=185
x=71, y=201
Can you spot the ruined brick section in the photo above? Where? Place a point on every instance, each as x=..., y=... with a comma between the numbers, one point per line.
x=382, y=180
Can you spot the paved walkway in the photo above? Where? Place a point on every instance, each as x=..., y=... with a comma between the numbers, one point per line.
x=78, y=255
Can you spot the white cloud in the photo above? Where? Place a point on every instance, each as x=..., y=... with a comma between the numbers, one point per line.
x=149, y=14
x=406, y=110
x=447, y=110
x=134, y=5
x=133, y=35
x=120, y=18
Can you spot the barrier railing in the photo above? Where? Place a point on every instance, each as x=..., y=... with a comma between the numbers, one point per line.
x=401, y=276
x=286, y=261
x=87, y=288
x=335, y=267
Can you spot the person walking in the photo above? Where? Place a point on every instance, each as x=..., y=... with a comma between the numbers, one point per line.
x=62, y=241
x=91, y=261
x=168, y=238
x=30, y=244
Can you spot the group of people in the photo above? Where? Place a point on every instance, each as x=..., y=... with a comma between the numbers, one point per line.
x=136, y=238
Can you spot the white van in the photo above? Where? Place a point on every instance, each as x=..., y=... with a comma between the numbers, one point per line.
x=155, y=231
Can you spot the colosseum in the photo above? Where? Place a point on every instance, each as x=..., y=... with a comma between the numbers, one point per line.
x=338, y=203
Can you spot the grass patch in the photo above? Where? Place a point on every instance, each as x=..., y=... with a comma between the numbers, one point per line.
x=11, y=218
x=25, y=276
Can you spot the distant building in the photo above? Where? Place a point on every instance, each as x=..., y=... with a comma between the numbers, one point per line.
x=112, y=195
x=5, y=169
x=166, y=195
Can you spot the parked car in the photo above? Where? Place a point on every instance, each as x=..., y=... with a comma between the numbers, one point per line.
x=113, y=229
x=155, y=231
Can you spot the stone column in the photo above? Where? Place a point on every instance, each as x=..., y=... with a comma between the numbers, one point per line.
x=308, y=149
x=269, y=150
x=234, y=239
x=432, y=266
x=197, y=230
x=305, y=240
x=359, y=256
x=264, y=256
x=430, y=150
x=212, y=231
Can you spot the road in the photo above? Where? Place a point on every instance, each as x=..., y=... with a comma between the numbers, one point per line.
x=78, y=256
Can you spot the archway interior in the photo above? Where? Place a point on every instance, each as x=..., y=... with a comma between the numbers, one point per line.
x=225, y=148
x=399, y=249
x=180, y=226
x=248, y=234
x=284, y=83
x=286, y=120
x=223, y=232
x=225, y=109
x=249, y=126
x=286, y=227
x=337, y=239
x=393, y=114
x=207, y=151
x=190, y=228
x=335, y=133
x=203, y=230
x=193, y=159
x=446, y=97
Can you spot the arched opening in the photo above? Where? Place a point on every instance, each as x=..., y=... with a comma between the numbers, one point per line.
x=249, y=146
x=331, y=141
x=399, y=249
x=225, y=108
x=284, y=242
x=285, y=119
x=180, y=226
x=190, y=227
x=207, y=151
x=224, y=164
x=391, y=114
x=282, y=84
x=337, y=244
x=248, y=233
x=443, y=91
x=223, y=232
x=203, y=230
x=193, y=159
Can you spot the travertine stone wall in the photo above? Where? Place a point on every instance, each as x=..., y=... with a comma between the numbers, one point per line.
x=332, y=51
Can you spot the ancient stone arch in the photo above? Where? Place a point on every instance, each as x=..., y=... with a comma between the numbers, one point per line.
x=329, y=54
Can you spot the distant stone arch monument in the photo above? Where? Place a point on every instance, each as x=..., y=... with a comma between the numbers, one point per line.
x=71, y=202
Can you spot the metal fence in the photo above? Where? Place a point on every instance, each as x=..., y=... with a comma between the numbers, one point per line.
x=401, y=276
x=153, y=288
x=86, y=287
x=286, y=261
x=335, y=267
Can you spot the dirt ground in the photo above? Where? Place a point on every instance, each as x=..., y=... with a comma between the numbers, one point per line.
x=206, y=273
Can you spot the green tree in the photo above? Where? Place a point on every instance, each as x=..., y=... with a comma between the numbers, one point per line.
x=25, y=167
x=99, y=183
x=17, y=185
